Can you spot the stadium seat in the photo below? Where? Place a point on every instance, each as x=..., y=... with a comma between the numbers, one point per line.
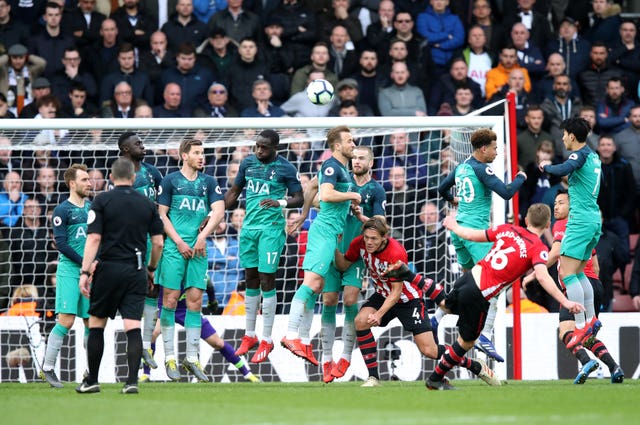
x=622, y=303
x=633, y=242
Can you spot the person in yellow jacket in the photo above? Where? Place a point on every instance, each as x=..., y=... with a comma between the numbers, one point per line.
x=498, y=76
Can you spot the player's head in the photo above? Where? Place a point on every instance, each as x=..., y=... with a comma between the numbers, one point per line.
x=485, y=146
x=375, y=233
x=561, y=205
x=538, y=216
x=267, y=145
x=339, y=139
x=77, y=180
x=362, y=160
x=131, y=146
x=576, y=130
x=123, y=170
x=192, y=153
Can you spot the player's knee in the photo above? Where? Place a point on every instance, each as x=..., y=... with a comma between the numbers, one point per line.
x=330, y=298
x=361, y=323
x=66, y=320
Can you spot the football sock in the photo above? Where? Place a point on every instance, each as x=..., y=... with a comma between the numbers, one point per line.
x=369, y=350
x=192, y=327
x=439, y=314
x=587, y=290
x=251, y=304
x=134, y=354
x=600, y=350
x=491, y=318
x=85, y=337
x=145, y=367
x=453, y=356
x=297, y=310
x=94, y=355
x=433, y=291
x=228, y=352
x=328, y=331
x=269, y=302
x=149, y=318
x=56, y=337
x=349, y=331
x=305, y=326
x=168, y=324
x=578, y=351
x=575, y=293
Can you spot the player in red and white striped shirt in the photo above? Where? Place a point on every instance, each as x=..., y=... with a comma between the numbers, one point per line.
x=398, y=294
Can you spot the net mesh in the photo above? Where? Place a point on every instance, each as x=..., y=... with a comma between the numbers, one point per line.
x=37, y=158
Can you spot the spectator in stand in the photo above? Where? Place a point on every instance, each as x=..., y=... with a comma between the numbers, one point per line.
x=613, y=112
x=63, y=80
x=342, y=60
x=370, y=80
x=634, y=284
x=184, y=27
x=383, y=28
x=427, y=249
x=41, y=87
x=398, y=52
x=238, y=22
x=573, y=48
x=264, y=9
x=135, y=24
x=160, y=10
x=625, y=56
x=51, y=42
x=224, y=263
x=157, y=60
x=401, y=98
x=98, y=182
x=261, y=93
x=218, y=103
x=477, y=57
x=516, y=84
x=588, y=112
x=347, y=89
x=558, y=106
x=18, y=70
x=77, y=106
x=338, y=14
x=7, y=162
x=194, y=80
x=400, y=153
x=12, y=31
x=246, y=68
x=443, y=30
x=348, y=108
x=616, y=201
x=402, y=200
x=298, y=104
x=47, y=190
x=444, y=90
x=101, y=57
x=5, y=113
x=538, y=183
x=606, y=23
x=138, y=80
x=529, y=55
x=593, y=80
x=555, y=66
x=85, y=22
x=217, y=54
x=299, y=31
x=536, y=22
x=205, y=9
x=122, y=103
x=628, y=145
x=171, y=108
x=279, y=56
x=483, y=16
x=529, y=139
x=319, y=61
x=300, y=154
x=463, y=101
x=11, y=199
x=498, y=77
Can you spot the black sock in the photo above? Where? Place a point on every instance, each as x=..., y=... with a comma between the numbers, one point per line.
x=369, y=350
x=600, y=350
x=454, y=355
x=95, y=348
x=134, y=354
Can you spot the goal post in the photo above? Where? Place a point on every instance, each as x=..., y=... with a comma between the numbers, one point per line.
x=43, y=143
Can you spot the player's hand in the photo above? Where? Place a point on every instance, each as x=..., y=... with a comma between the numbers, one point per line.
x=200, y=247
x=269, y=203
x=521, y=173
x=573, y=307
x=84, y=285
x=203, y=224
x=543, y=164
x=527, y=280
x=356, y=198
x=184, y=249
x=295, y=225
x=636, y=302
x=449, y=222
x=455, y=201
x=373, y=319
x=399, y=271
x=356, y=210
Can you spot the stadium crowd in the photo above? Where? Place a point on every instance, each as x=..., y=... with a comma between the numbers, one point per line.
x=252, y=58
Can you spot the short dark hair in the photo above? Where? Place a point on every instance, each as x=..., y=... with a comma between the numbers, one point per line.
x=482, y=137
x=126, y=48
x=577, y=126
x=186, y=49
x=335, y=135
x=122, y=169
x=270, y=135
x=377, y=223
x=186, y=144
x=77, y=86
x=48, y=99
x=124, y=137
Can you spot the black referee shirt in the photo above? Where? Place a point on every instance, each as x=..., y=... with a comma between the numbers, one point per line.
x=124, y=218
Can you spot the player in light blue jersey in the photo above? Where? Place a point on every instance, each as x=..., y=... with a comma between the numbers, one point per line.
x=475, y=181
x=271, y=183
x=147, y=182
x=336, y=198
x=185, y=199
x=70, y=233
x=584, y=226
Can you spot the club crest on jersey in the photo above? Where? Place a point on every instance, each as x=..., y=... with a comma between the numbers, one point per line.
x=573, y=156
x=489, y=170
x=273, y=174
x=329, y=171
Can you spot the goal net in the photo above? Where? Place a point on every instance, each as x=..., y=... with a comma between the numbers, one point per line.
x=412, y=156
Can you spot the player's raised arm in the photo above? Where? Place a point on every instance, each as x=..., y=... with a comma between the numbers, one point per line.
x=506, y=191
x=445, y=187
x=328, y=193
x=467, y=233
x=572, y=163
x=309, y=197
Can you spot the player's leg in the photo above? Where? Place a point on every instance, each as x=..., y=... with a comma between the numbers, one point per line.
x=194, y=287
x=149, y=320
x=366, y=341
x=95, y=349
x=172, y=273
x=249, y=258
x=330, y=297
x=352, y=284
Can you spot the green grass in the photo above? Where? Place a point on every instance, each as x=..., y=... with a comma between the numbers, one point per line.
x=395, y=403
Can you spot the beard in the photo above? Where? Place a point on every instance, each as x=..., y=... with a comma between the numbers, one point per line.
x=562, y=94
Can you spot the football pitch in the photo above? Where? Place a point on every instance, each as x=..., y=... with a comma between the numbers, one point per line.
x=394, y=403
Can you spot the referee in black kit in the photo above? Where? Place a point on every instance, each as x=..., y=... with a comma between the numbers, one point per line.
x=113, y=263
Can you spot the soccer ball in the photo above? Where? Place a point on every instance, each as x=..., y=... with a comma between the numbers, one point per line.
x=320, y=92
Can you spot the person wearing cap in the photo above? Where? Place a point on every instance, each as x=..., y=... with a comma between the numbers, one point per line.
x=572, y=46
x=40, y=87
x=276, y=49
x=217, y=53
x=184, y=27
x=347, y=90
x=218, y=105
x=18, y=69
x=237, y=21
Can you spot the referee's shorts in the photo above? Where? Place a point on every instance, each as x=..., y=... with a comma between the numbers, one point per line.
x=118, y=286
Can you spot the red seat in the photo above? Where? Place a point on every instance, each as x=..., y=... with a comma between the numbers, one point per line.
x=633, y=241
x=622, y=303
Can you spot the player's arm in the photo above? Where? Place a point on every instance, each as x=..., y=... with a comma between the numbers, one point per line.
x=232, y=195
x=374, y=319
x=215, y=218
x=328, y=193
x=554, y=253
x=379, y=205
x=475, y=235
x=342, y=263
x=296, y=200
x=572, y=163
x=595, y=263
x=60, y=236
x=308, y=200
x=546, y=281
x=184, y=249
x=90, y=252
x=506, y=191
x=445, y=188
